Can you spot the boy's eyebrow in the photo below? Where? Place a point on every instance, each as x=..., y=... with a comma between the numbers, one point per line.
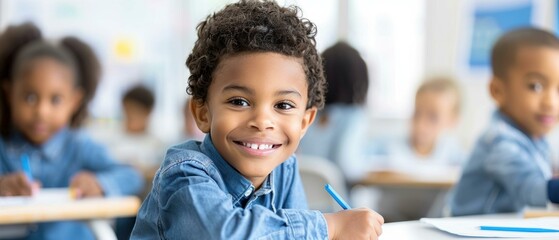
x=288, y=92
x=238, y=88
x=251, y=92
x=537, y=75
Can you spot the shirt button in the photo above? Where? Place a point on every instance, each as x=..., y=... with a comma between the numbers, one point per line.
x=248, y=192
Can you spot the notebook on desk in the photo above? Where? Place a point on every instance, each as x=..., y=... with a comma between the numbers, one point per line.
x=43, y=196
x=473, y=227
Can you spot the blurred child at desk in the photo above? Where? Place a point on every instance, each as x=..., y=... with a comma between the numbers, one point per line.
x=133, y=144
x=45, y=91
x=340, y=130
x=428, y=150
x=510, y=166
x=257, y=82
x=429, y=144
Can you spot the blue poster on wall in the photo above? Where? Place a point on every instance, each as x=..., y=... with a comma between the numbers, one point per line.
x=490, y=23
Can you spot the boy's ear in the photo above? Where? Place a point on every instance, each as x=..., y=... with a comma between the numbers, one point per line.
x=497, y=90
x=201, y=114
x=308, y=119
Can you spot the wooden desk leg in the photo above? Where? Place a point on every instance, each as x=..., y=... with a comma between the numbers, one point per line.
x=102, y=229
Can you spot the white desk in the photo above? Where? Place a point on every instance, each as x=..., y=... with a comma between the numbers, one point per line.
x=413, y=230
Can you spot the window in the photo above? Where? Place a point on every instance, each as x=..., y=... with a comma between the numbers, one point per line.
x=390, y=36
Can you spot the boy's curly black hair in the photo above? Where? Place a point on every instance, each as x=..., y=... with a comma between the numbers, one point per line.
x=255, y=26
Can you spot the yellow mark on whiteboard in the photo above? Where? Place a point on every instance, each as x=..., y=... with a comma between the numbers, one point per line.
x=125, y=49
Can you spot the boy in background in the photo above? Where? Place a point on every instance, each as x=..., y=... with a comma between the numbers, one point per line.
x=429, y=143
x=135, y=145
x=429, y=148
x=510, y=166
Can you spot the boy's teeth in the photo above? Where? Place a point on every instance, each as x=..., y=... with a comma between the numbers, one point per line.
x=256, y=146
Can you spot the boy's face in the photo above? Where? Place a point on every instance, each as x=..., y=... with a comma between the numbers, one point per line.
x=43, y=99
x=530, y=93
x=136, y=117
x=434, y=113
x=256, y=111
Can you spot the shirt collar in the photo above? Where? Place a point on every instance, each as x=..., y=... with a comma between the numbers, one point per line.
x=539, y=142
x=50, y=149
x=237, y=185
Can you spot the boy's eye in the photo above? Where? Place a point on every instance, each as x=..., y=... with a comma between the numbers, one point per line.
x=536, y=87
x=31, y=98
x=56, y=100
x=284, y=106
x=239, y=102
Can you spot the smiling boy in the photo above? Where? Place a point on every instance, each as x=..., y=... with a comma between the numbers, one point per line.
x=510, y=167
x=256, y=84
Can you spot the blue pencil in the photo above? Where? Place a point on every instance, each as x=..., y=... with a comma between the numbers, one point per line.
x=517, y=229
x=26, y=167
x=336, y=197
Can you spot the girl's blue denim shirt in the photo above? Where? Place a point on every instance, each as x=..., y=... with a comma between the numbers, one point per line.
x=55, y=162
x=196, y=194
x=506, y=172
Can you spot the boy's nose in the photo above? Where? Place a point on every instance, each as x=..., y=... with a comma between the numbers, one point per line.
x=42, y=109
x=262, y=119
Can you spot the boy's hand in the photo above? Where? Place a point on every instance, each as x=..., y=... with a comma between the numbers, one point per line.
x=17, y=184
x=85, y=184
x=360, y=223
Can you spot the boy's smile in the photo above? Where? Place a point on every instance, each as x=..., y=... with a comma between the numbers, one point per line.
x=256, y=111
x=530, y=94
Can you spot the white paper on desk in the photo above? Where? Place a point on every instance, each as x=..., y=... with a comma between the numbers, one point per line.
x=469, y=227
x=44, y=196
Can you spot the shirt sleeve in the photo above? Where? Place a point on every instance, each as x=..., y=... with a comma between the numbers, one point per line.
x=115, y=179
x=515, y=170
x=192, y=202
x=553, y=190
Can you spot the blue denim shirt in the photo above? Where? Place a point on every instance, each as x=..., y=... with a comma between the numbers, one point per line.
x=507, y=171
x=55, y=162
x=196, y=194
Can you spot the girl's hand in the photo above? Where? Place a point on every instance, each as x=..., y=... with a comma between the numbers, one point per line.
x=85, y=184
x=360, y=223
x=17, y=184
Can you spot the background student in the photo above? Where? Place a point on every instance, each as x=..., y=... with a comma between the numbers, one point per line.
x=45, y=91
x=510, y=166
x=339, y=133
x=133, y=143
x=429, y=148
x=430, y=143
